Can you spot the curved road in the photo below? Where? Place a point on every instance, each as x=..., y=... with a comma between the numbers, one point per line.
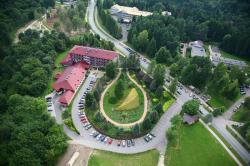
x=218, y=124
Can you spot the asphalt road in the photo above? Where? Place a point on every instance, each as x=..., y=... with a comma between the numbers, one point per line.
x=181, y=98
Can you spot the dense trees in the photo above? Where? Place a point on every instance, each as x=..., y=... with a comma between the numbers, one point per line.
x=14, y=15
x=110, y=24
x=197, y=72
x=25, y=70
x=225, y=22
x=72, y=18
x=191, y=107
x=159, y=75
x=29, y=136
x=110, y=70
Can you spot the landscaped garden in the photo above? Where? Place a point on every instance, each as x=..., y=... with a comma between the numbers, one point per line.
x=103, y=158
x=194, y=145
x=124, y=101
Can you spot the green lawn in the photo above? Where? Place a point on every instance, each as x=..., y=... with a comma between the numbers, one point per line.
x=196, y=146
x=60, y=57
x=219, y=101
x=126, y=116
x=228, y=55
x=58, y=68
x=242, y=115
x=104, y=158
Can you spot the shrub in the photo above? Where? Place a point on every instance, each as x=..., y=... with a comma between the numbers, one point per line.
x=112, y=100
x=166, y=95
x=217, y=112
x=158, y=107
x=155, y=100
x=146, y=124
x=154, y=116
x=159, y=91
x=191, y=107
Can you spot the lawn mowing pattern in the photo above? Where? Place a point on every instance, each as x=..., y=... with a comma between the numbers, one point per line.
x=103, y=158
x=197, y=147
x=126, y=116
x=131, y=101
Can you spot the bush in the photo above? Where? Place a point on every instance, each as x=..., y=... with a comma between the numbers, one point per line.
x=159, y=91
x=68, y=122
x=247, y=103
x=66, y=114
x=158, y=107
x=167, y=104
x=155, y=100
x=166, y=95
x=217, y=112
x=191, y=107
x=208, y=118
x=112, y=100
x=146, y=124
x=154, y=116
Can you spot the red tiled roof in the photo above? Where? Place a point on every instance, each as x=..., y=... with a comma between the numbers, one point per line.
x=66, y=97
x=58, y=75
x=71, y=77
x=91, y=52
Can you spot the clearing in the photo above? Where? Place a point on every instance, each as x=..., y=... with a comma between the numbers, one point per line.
x=196, y=146
x=103, y=158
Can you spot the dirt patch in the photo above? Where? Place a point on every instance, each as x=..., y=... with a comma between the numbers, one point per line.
x=83, y=158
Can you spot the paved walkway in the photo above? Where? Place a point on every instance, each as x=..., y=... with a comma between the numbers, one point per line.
x=122, y=124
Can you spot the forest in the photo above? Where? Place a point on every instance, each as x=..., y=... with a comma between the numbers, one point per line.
x=225, y=22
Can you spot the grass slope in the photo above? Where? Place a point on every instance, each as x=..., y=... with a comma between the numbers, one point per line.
x=130, y=102
x=103, y=158
x=126, y=116
x=197, y=147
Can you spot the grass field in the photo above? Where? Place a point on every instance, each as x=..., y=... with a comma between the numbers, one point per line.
x=103, y=158
x=219, y=101
x=242, y=115
x=60, y=57
x=228, y=55
x=58, y=68
x=197, y=147
x=126, y=116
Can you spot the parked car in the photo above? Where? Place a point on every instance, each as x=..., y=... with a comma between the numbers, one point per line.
x=152, y=134
x=119, y=143
x=146, y=139
x=128, y=143
x=88, y=127
x=132, y=142
x=98, y=137
x=103, y=138
x=123, y=143
x=106, y=140
x=110, y=141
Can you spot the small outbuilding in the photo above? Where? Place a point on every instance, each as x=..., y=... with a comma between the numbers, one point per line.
x=188, y=119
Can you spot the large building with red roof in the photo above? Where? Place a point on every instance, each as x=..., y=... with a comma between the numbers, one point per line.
x=70, y=80
x=78, y=61
x=94, y=56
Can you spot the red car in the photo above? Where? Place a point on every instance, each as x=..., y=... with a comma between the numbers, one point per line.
x=110, y=141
